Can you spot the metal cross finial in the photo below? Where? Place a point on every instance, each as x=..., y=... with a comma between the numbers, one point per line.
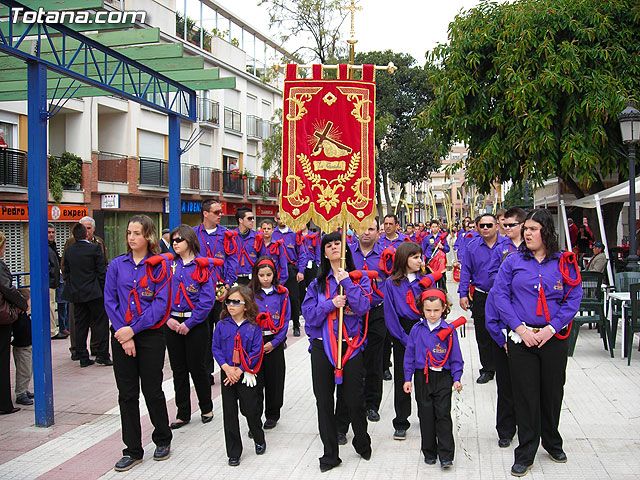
x=352, y=8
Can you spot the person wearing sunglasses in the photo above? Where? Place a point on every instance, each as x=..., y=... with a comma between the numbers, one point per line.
x=238, y=349
x=216, y=241
x=136, y=298
x=482, y=258
x=320, y=309
x=250, y=244
x=497, y=327
x=187, y=333
x=538, y=292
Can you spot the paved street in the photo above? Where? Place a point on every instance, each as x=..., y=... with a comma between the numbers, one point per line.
x=600, y=423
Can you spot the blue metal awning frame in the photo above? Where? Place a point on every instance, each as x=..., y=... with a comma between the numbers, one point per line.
x=38, y=115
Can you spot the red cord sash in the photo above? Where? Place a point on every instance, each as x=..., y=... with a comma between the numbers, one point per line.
x=265, y=320
x=241, y=357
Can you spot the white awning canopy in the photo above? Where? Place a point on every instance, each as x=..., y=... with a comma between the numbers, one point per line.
x=619, y=193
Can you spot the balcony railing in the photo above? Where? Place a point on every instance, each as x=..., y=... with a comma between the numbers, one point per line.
x=112, y=167
x=208, y=111
x=254, y=127
x=232, y=182
x=154, y=172
x=209, y=179
x=13, y=167
x=274, y=188
x=267, y=129
x=232, y=120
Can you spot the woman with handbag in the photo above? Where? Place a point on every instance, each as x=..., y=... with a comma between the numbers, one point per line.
x=10, y=299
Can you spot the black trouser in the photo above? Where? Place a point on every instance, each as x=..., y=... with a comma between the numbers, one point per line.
x=386, y=352
x=294, y=294
x=243, y=280
x=538, y=376
x=271, y=379
x=442, y=283
x=6, y=404
x=91, y=314
x=401, y=400
x=434, y=410
x=144, y=370
x=248, y=400
x=93, y=342
x=309, y=275
x=352, y=391
x=505, y=409
x=372, y=358
x=483, y=339
x=212, y=319
x=187, y=355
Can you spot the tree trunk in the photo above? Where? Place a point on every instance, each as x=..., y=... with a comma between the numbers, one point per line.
x=385, y=185
x=378, y=199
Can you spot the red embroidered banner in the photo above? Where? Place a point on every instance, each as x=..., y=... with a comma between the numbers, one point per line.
x=328, y=151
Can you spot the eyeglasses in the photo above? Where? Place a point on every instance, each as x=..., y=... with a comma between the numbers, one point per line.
x=216, y=212
x=251, y=219
x=486, y=225
x=177, y=240
x=234, y=302
x=511, y=225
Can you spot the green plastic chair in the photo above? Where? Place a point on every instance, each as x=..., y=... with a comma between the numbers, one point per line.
x=591, y=311
x=633, y=321
x=622, y=282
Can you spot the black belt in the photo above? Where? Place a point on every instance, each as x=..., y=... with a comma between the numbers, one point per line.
x=243, y=276
x=378, y=305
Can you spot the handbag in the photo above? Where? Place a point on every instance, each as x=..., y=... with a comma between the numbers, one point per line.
x=8, y=313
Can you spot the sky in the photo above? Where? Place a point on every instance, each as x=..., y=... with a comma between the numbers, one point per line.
x=407, y=26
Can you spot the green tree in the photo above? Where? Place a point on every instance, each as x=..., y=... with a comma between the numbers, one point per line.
x=271, y=154
x=320, y=19
x=404, y=154
x=533, y=88
x=518, y=196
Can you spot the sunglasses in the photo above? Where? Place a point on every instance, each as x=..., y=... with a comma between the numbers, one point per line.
x=234, y=302
x=511, y=225
x=177, y=240
x=486, y=225
x=251, y=219
x=216, y=212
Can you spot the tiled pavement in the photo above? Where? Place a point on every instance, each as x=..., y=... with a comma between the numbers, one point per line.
x=600, y=424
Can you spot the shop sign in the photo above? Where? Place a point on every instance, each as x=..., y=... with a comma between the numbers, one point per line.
x=229, y=208
x=110, y=200
x=266, y=210
x=17, y=212
x=190, y=206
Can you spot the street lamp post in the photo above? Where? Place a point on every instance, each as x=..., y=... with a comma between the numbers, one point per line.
x=419, y=201
x=629, y=120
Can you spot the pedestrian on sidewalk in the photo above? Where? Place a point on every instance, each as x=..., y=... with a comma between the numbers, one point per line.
x=23, y=352
x=436, y=363
x=275, y=313
x=538, y=292
x=238, y=349
x=136, y=297
x=192, y=295
x=400, y=290
x=9, y=294
x=320, y=310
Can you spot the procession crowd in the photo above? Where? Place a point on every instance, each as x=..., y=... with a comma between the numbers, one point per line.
x=210, y=294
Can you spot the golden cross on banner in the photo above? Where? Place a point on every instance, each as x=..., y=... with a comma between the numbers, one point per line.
x=352, y=8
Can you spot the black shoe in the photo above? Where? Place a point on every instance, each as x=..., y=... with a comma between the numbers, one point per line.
x=75, y=358
x=296, y=331
x=446, y=463
x=59, y=336
x=178, y=424
x=104, y=361
x=556, y=457
x=126, y=463
x=234, y=461
x=260, y=449
x=325, y=467
x=86, y=362
x=504, y=442
x=386, y=375
x=270, y=423
x=23, y=399
x=30, y=394
x=429, y=460
x=206, y=418
x=484, y=378
x=162, y=452
x=519, y=470
x=373, y=416
x=342, y=439
x=399, y=434
x=366, y=455
x=9, y=412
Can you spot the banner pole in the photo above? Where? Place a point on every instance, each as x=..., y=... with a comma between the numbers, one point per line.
x=343, y=263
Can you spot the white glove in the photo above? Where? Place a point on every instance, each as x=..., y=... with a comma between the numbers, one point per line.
x=249, y=379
